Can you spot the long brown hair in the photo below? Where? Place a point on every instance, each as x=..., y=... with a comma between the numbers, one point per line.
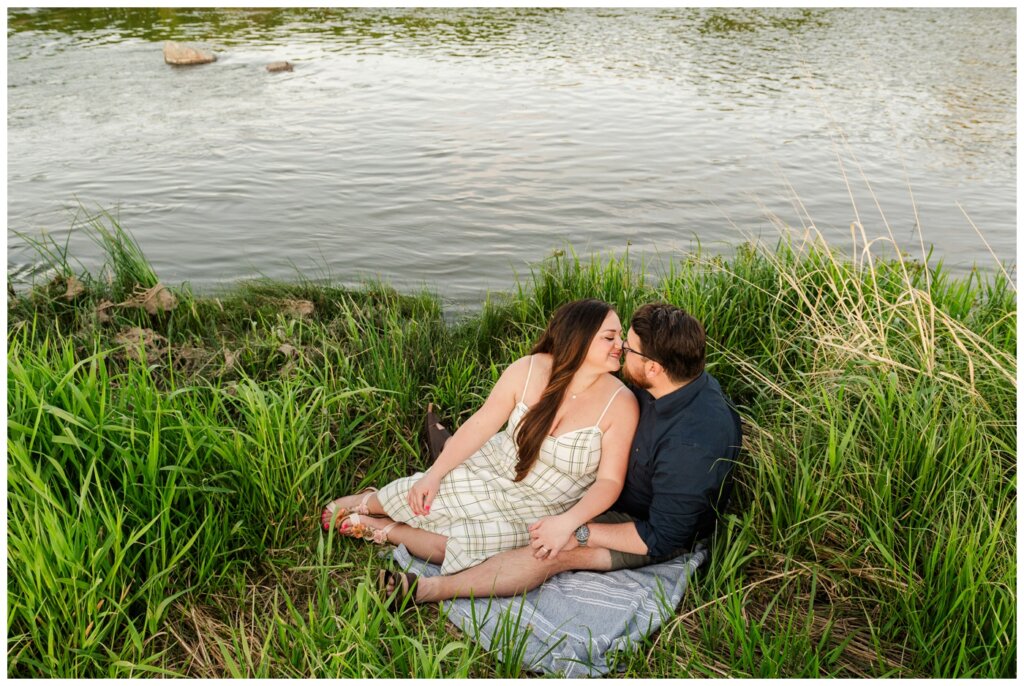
x=567, y=339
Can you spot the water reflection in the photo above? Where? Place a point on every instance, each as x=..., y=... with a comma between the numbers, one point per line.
x=489, y=135
x=723, y=22
x=231, y=24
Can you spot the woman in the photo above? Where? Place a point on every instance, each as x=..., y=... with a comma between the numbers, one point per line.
x=550, y=470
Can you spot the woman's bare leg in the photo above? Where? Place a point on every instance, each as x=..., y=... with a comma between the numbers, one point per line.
x=338, y=509
x=425, y=545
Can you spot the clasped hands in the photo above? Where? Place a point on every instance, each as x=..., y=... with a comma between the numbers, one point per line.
x=550, y=536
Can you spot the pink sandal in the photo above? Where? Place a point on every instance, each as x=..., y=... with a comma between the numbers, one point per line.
x=356, y=529
x=332, y=512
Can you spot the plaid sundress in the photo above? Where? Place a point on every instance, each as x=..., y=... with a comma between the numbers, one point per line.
x=479, y=506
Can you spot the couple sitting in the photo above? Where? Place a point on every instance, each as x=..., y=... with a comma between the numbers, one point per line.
x=583, y=476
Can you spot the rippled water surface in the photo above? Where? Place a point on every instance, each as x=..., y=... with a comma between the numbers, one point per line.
x=455, y=147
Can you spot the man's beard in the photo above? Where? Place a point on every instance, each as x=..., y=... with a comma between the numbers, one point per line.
x=630, y=379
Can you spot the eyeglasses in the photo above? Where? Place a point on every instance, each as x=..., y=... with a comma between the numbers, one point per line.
x=627, y=349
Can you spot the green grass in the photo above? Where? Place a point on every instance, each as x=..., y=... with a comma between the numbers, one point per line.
x=166, y=469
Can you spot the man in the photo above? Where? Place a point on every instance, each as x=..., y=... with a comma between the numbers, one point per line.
x=686, y=443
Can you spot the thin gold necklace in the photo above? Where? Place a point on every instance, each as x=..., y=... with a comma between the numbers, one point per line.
x=572, y=396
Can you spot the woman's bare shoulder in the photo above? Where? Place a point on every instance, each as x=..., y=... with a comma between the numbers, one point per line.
x=536, y=361
x=541, y=360
x=624, y=407
x=527, y=365
x=537, y=368
x=624, y=393
x=612, y=383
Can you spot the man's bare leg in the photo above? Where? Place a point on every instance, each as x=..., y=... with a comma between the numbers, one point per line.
x=509, y=573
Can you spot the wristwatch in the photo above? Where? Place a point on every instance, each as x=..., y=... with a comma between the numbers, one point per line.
x=582, y=534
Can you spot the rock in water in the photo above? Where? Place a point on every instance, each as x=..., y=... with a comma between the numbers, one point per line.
x=279, y=66
x=176, y=53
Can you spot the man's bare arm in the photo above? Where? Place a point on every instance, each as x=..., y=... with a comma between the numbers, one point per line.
x=622, y=537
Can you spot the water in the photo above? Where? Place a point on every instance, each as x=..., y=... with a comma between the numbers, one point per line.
x=455, y=148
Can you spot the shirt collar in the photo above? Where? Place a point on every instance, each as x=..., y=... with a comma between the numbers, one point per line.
x=675, y=401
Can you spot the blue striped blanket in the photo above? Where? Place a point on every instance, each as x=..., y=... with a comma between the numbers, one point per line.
x=571, y=624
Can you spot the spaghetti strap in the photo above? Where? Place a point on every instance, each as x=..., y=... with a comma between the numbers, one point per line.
x=526, y=386
x=608, y=405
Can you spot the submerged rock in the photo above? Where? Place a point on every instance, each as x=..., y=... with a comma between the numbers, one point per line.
x=176, y=53
x=279, y=66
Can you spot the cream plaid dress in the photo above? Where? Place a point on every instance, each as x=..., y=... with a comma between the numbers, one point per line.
x=482, y=510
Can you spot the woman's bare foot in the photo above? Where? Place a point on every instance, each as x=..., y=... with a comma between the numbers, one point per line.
x=338, y=509
x=368, y=528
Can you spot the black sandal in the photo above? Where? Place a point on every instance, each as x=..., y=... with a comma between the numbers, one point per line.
x=404, y=584
x=436, y=437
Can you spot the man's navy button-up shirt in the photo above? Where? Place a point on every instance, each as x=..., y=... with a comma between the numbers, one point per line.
x=685, y=446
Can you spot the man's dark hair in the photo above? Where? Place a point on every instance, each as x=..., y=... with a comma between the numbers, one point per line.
x=671, y=337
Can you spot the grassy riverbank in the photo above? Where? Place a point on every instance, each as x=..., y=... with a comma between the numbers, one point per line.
x=167, y=462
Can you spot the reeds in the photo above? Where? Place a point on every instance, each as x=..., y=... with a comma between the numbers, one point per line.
x=166, y=468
